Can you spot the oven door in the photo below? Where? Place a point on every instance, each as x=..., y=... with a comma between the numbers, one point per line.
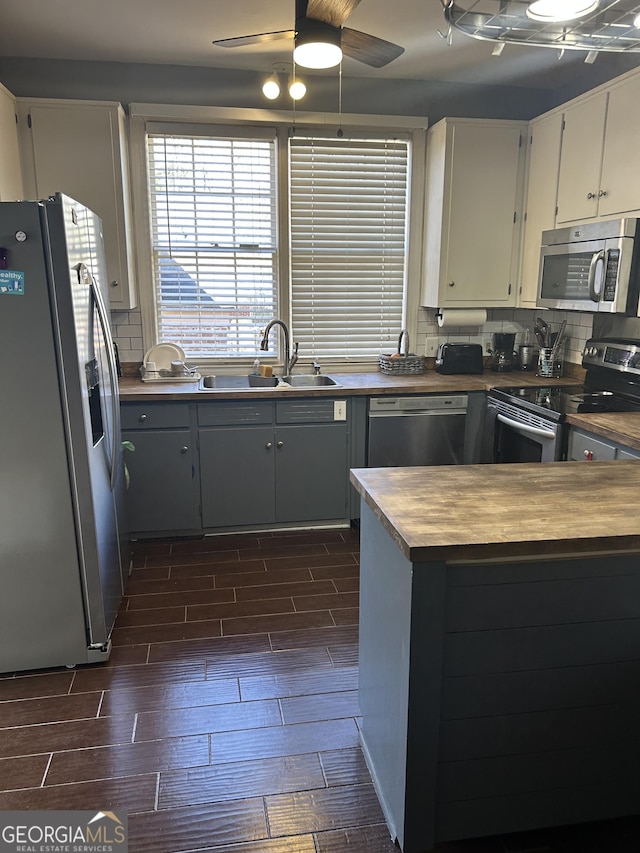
x=521, y=436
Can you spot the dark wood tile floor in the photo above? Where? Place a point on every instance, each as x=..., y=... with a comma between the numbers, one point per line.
x=227, y=717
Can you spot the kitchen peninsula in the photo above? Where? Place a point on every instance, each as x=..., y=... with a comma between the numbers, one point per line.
x=500, y=646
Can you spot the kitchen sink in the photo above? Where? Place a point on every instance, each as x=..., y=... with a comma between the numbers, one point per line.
x=232, y=382
x=309, y=380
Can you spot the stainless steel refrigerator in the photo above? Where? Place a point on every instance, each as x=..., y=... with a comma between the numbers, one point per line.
x=60, y=447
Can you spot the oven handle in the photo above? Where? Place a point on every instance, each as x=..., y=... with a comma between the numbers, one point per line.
x=525, y=428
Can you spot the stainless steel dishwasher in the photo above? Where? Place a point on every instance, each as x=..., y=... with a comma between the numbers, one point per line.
x=426, y=430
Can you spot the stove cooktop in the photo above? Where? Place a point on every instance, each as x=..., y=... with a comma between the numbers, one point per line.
x=569, y=399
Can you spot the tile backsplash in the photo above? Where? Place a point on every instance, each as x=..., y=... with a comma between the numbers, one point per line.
x=578, y=330
x=127, y=331
x=126, y=327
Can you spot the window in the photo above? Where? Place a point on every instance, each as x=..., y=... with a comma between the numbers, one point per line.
x=348, y=245
x=224, y=202
x=213, y=227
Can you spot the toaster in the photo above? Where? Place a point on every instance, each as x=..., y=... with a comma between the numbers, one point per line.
x=459, y=358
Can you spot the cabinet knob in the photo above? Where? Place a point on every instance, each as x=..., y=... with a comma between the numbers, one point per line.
x=184, y=449
x=602, y=193
x=142, y=418
x=452, y=284
x=280, y=444
x=591, y=195
x=269, y=445
x=115, y=283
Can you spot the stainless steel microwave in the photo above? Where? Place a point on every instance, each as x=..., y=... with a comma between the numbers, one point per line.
x=591, y=267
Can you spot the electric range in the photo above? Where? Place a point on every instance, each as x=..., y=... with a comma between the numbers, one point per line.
x=524, y=424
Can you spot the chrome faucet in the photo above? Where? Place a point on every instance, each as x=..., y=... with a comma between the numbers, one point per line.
x=289, y=361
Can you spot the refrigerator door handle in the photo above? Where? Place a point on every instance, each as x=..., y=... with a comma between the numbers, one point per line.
x=113, y=381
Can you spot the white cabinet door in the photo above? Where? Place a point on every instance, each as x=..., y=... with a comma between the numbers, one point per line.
x=581, y=159
x=79, y=148
x=545, y=136
x=474, y=174
x=10, y=170
x=620, y=182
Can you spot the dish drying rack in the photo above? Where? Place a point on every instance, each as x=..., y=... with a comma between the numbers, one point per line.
x=399, y=364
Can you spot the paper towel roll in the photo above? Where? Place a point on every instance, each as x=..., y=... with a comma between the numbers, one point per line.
x=448, y=317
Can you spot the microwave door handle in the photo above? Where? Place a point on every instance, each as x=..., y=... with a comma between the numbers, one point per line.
x=525, y=429
x=598, y=257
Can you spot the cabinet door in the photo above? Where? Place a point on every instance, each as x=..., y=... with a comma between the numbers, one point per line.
x=584, y=447
x=481, y=226
x=311, y=472
x=581, y=159
x=620, y=182
x=79, y=149
x=161, y=494
x=10, y=171
x=237, y=473
x=545, y=137
x=627, y=453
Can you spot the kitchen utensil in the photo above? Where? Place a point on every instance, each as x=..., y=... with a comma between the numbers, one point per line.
x=558, y=339
x=544, y=329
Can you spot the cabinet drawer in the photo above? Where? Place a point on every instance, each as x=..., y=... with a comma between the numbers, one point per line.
x=154, y=415
x=582, y=444
x=240, y=413
x=305, y=411
x=627, y=453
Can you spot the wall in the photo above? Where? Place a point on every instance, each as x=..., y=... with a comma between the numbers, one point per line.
x=132, y=82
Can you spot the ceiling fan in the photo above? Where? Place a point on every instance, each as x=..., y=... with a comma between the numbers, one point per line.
x=321, y=38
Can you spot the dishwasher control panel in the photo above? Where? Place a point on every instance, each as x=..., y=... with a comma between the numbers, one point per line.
x=428, y=403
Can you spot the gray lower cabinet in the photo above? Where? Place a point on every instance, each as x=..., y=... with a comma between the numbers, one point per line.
x=585, y=446
x=162, y=495
x=269, y=462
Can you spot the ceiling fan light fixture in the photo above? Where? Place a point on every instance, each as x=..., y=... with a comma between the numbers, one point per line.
x=552, y=11
x=271, y=87
x=317, y=44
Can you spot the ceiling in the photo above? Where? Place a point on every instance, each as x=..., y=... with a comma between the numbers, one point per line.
x=180, y=33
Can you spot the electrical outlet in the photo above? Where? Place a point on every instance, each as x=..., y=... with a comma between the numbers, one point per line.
x=339, y=410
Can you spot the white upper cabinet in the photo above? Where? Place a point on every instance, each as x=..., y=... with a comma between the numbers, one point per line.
x=545, y=136
x=600, y=165
x=10, y=169
x=620, y=182
x=79, y=148
x=474, y=195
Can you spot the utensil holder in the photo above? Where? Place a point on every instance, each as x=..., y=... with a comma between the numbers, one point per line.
x=550, y=363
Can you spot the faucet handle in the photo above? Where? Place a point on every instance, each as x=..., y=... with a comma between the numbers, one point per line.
x=316, y=367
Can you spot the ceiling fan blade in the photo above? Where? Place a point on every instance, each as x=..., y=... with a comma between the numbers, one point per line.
x=258, y=38
x=369, y=49
x=333, y=12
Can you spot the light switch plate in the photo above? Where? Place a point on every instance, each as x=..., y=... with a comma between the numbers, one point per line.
x=339, y=410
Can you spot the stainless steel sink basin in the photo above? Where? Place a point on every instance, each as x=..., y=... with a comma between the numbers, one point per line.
x=231, y=382
x=309, y=380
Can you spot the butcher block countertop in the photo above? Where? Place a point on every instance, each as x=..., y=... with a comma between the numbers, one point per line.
x=350, y=384
x=476, y=512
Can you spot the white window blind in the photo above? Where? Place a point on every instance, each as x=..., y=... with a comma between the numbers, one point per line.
x=213, y=224
x=349, y=203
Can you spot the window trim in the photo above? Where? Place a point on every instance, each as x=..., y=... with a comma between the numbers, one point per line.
x=143, y=116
